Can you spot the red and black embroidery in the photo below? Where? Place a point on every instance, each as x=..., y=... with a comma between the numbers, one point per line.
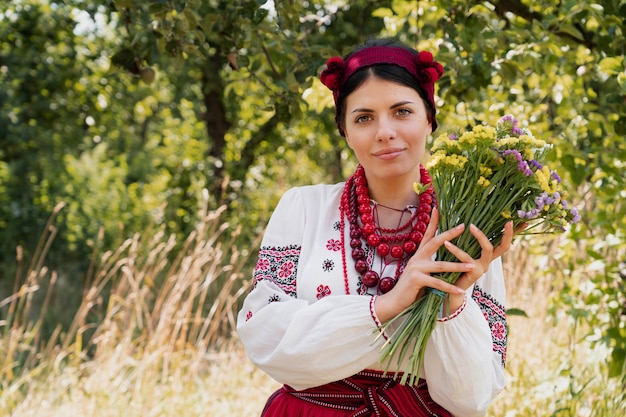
x=495, y=314
x=273, y=299
x=333, y=245
x=328, y=265
x=367, y=393
x=278, y=265
x=323, y=291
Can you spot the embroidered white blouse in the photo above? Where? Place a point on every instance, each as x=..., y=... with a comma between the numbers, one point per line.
x=300, y=327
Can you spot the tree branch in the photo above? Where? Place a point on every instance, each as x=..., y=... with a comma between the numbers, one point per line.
x=248, y=153
x=502, y=7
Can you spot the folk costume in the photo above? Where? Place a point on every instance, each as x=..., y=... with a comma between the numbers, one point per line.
x=309, y=321
x=303, y=327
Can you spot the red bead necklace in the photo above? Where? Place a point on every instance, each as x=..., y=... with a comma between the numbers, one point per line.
x=399, y=243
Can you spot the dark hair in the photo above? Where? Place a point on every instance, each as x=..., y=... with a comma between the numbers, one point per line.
x=389, y=72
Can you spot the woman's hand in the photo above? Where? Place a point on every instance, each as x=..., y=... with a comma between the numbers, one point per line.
x=481, y=265
x=416, y=276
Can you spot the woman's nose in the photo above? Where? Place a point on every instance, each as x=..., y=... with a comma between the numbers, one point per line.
x=386, y=130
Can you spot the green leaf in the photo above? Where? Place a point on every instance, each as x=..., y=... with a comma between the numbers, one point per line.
x=572, y=31
x=612, y=65
x=516, y=312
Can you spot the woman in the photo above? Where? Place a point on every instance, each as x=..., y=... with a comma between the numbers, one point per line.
x=339, y=261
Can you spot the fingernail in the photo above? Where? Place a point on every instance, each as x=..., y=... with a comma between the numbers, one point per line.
x=461, y=226
x=473, y=227
x=469, y=266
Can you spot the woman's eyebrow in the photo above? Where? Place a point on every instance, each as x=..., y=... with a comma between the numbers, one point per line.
x=393, y=106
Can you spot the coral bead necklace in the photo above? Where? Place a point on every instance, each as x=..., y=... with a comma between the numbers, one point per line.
x=391, y=244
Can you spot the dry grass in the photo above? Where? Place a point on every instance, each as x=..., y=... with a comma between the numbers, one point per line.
x=165, y=344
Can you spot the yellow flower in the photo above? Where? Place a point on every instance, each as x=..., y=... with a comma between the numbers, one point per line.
x=484, y=133
x=467, y=138
x=436, y=159
x=506, y=214
x=528, y=154
x=443, y=159
x=442, y=142
x=419, y=188
x=535, y=143
x=485, y=171
x=547, y=183
x=455, y=161
x=512, y=141
x=483, y=181
x=543, y=178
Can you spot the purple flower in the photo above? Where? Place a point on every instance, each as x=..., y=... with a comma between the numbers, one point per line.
x=535, y=164
x=507, y=126
x=555, y=176
x=453, y=136
x=516, y=131
x=575, y=215
x=522, y=164
x=513, y=152
x=530, y=214
x=508, y=119
x=543, y=200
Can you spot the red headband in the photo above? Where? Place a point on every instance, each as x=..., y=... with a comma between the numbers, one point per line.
x=421, y=66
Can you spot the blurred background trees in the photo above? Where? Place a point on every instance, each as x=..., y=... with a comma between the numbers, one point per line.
x=126, y=110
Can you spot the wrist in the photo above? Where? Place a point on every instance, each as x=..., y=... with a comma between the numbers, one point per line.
x=381, y=309
x=454, y=302
x=452, y=306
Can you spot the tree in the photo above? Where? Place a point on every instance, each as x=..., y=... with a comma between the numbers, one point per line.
x=128, y=121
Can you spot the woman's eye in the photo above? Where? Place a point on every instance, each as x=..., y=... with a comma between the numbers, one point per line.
x=362, y=119
x=404, y=112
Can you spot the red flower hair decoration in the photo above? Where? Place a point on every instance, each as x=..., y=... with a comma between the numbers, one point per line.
x=332, y=76
x=421, y=66
x=428, y=70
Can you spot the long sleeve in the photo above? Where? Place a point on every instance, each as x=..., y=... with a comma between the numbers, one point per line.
x=297, y=341
x=305, y=345
x=464, y=359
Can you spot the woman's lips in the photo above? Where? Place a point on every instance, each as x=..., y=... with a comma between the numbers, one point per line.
x=389, y=153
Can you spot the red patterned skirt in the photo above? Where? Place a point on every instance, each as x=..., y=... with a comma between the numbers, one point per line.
x=366, y=394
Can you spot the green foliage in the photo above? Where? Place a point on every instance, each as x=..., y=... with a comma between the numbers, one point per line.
x=127, y=110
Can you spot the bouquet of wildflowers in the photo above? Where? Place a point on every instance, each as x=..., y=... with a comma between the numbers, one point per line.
x=487, y=177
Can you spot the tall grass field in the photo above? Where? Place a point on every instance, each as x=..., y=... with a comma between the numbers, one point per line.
x=154, y=336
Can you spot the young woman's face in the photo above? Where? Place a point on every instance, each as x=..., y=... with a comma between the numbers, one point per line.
x=386, y=126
